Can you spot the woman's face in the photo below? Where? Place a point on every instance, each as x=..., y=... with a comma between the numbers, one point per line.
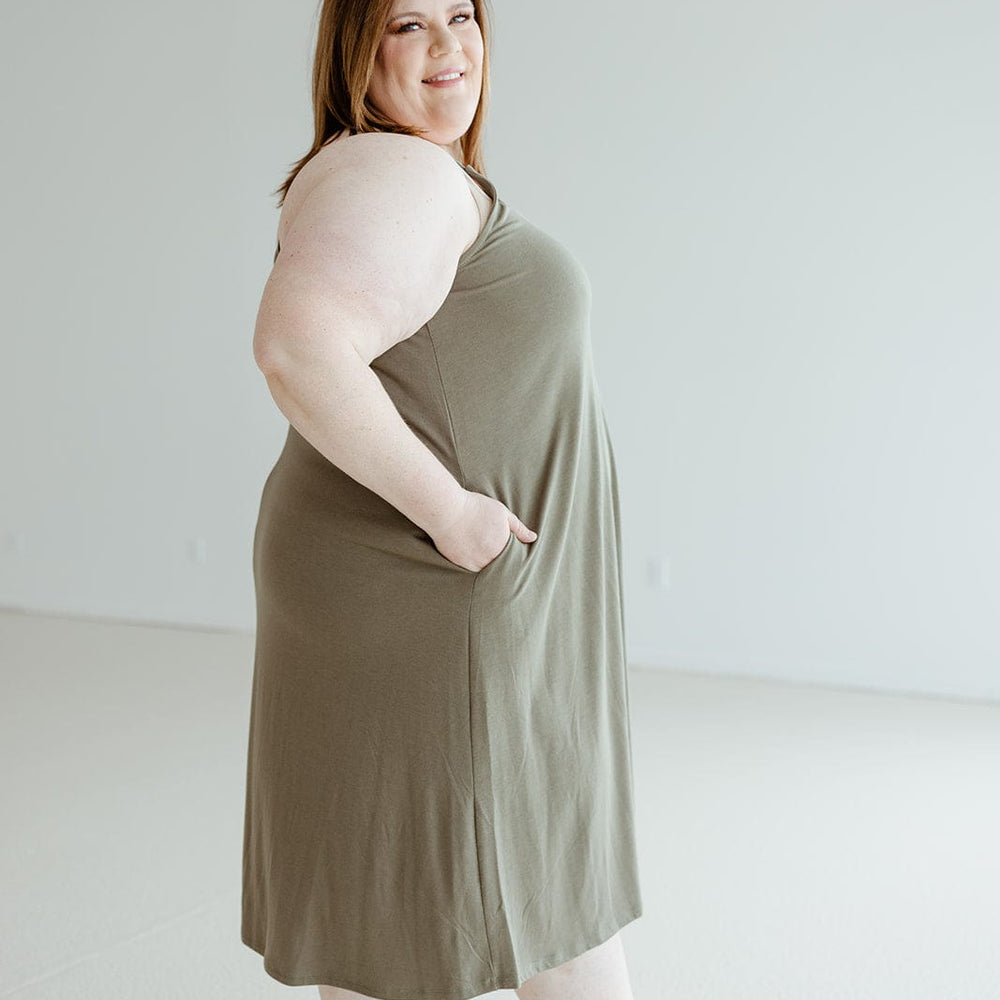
x=422, y=39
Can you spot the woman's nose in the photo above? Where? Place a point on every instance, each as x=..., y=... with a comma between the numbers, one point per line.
x=446, y=41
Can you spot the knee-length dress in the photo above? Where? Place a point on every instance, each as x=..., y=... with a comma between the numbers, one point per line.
x=439, y=794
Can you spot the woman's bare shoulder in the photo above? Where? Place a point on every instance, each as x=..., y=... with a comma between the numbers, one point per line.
x=374, y=243
x=380, y=157
x=365, y=148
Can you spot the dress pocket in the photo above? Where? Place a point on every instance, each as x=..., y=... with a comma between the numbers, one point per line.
x=500, y=555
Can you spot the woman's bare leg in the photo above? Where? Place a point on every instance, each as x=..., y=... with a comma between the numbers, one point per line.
x=339, y=993
x=598, y=974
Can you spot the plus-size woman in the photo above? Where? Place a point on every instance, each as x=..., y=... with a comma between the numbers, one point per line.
x=439, y=795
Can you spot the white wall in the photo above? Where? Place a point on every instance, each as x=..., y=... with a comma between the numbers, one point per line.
x=789, y=214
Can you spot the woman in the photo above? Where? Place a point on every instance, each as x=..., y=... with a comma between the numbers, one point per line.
x=439, y=788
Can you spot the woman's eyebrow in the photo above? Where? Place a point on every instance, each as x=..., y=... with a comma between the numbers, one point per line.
x=417, y=13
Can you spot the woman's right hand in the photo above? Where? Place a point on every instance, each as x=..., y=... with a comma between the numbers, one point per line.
x=479, y=533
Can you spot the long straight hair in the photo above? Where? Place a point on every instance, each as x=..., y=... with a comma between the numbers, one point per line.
x=346, y=46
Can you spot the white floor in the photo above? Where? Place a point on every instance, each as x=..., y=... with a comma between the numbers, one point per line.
x=796, y=843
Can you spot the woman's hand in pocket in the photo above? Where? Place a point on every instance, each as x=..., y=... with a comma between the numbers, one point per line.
x=479, y=533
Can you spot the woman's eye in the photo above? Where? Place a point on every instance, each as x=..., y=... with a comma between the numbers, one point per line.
x=401, y=30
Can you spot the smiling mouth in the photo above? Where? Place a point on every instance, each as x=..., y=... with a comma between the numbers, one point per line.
x=447, y=78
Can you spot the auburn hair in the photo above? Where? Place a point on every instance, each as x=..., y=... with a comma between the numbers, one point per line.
x=347, y=42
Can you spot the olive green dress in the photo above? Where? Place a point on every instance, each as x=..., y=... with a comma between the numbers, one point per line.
x=439, y=797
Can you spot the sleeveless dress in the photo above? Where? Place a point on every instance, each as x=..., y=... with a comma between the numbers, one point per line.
x=439, y=795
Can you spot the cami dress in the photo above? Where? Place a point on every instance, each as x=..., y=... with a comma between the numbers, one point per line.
x=439, y=789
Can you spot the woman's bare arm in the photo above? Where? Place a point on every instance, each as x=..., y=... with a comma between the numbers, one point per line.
x=370, y=257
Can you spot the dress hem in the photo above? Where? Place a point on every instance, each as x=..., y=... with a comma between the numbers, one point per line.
x=466, y=992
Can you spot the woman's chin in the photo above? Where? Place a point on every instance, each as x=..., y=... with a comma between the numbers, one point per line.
x=446, y=129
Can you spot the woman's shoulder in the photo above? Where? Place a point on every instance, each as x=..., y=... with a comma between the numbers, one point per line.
x=409, y=158
x=373, y=251
x=386, y=160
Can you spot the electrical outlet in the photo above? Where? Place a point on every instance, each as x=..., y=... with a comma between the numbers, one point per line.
x=199, y=551
x=658, y=572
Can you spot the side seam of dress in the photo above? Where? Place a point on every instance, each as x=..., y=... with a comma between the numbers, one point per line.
x=495, y=928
